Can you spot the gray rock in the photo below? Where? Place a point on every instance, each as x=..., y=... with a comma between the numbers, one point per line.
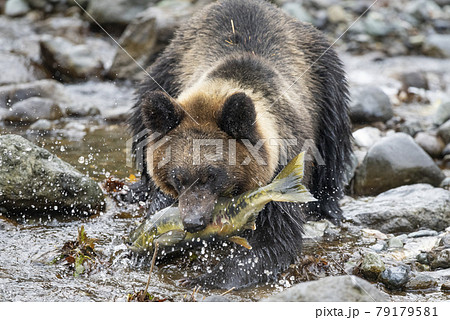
x=379, y=246
x=17, y=68
x=51, y=89
x=32, y=179
x=369, y=104
x=375, y=24
x=411, y=127
x=71, y=28
x=394, y=161
x=423, y=258
x=423, y=9
x=440, y=259
x=403, y=209
x=446, y=150
x=216, y=298
x=445, y=241
x=432, y=144
x=395, y=277
x=442, y=113
x=333, y=289
x=15, y=8
x=366, y=137
x=337, y=14
x=41, y=125
x=421, y=281
x=395, y=243
x=146, y=36
x=33, y=109
x=119, y=12
x=296, y=10
x=372, y=266
x=444, y=131
x=437, y=45
x=423, y=233
x=414, y=80
x=315, y=229
x=69, y=61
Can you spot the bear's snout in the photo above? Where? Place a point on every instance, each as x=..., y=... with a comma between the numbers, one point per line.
x=196, y=209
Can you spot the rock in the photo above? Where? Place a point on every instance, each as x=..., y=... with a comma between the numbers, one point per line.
x=432, y=144
x=366, y=137
x=372, y=266
x=395, y=243
x=403, y=209
x=423, y=258
x=315, y=229
x=333, y=289
x=383, y=168
x=337, y=14
x=146, y=37
x=17, y=68
x=69, y=61
x=71, y=28
x=379, y=246
x=216, y=298
x=369, y=104
x=15, y=8
x=445, y=241
x=446, y=150
x=421, y=281
x=296, y=10
x=32, y=179
x=423, y=233
x=414, y=80
x=440, y=259
x=442, y=113
x=411, y=127
x=33, y=109
x=437, y=45
x=51, y=89
x=375, y=24
x=41, y=125
x=423, y=9
x=446, y=287
x=395, y=277
x=120, y=12
x=444, y=132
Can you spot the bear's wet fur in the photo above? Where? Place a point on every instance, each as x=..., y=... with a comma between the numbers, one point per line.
x=244, y=70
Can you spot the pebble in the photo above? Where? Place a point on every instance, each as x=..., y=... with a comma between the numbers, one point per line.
x=372, y=266
x=423, y=258
x=444, y=132
x=395, y=243
x=423, y=233
x=366, y=137
x=421, y=281
x=432, y=144
x=395, y=277
x=440, y=259
x=446, y=287
x=369, y=104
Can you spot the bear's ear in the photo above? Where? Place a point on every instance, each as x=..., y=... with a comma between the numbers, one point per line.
x=238, y=117
x=160, y=112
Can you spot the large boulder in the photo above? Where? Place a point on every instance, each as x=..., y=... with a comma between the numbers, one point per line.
x=369, y=104
x=51, y=89
x=34, y=180
x=120, y=12
x=403, y=209
x=68, y=61
x=33, y=109
x=332, y=289
x=148, y=34
x=394, y=161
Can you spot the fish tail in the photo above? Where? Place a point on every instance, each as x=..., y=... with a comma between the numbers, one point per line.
x=287, y=185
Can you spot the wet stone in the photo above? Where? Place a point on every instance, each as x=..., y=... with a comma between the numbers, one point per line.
x=423, y=233
x=444, y=131
x=369, y=104
x=372, y=266
x=33, y=109
x=383, y=168
x=395, y=277
x=442, y=113
x=395, y=243
x=366, y=137
x=440, y=259
x=421, y=281
x=41, y=125
x=336, y=289
x=432, y=144
x=423, y=258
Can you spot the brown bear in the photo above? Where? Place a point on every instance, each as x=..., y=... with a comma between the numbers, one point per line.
x=241, y=90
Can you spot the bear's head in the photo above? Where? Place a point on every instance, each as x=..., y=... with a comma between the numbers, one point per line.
x=205, y=146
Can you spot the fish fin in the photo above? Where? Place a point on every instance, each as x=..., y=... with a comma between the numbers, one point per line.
x=240, y=241
x=287, y=186
x=227, y=228
x=171, y=237
x=250, y=225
